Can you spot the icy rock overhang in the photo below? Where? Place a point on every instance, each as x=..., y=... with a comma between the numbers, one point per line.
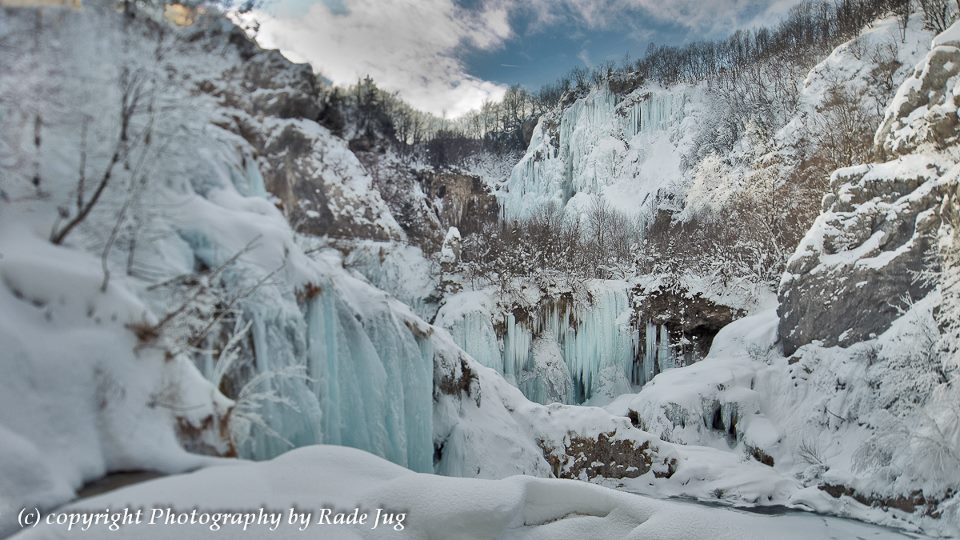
x=859, y=264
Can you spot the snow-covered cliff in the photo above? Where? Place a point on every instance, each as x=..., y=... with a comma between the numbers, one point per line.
x=644, y=148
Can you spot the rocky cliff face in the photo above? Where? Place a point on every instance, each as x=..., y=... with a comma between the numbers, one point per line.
x=274, y=105
x=426, y=202
x=866, y=256
x=691, y=319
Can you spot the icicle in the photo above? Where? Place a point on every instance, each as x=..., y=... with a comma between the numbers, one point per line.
x=276, y=333
x=374, y=383
x=665, y=354
x=474, y=334
x=595, y=341
x=516, y=349
x=650, y=353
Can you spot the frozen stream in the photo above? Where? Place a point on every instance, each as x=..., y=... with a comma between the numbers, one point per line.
x=813, y=525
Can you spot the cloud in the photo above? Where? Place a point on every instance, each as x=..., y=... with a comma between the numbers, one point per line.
x=715, y=17
x=584, y=56
x=415, y=47
x=707, y=18
x=408, y=46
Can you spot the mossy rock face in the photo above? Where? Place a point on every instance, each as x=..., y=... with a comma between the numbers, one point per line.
x=605, y=456
x=915, y=502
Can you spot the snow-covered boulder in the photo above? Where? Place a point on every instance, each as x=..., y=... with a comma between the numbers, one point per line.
x=852, y=274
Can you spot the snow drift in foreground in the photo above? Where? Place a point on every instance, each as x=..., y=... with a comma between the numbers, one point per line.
x=318, y=478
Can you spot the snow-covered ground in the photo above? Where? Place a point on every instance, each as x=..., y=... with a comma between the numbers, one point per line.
x=327, y=491
x=811, y=418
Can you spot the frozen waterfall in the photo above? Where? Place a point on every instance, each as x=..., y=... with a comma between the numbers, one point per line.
x=374, y=382
x=330, y=358
x=586, y=152
x=562, y=350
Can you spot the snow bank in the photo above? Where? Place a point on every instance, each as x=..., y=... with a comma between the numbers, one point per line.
x=814, y=416
x=79, y=398
x=339, y=480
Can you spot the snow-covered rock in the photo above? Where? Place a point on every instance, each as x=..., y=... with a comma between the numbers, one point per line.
x=863, y=258
x=860, y=263
x=822, y=417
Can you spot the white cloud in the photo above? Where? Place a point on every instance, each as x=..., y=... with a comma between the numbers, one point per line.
x=409, y=46
x=715, y=17
x=706, y=17
x=414, y=46
x=584, y=56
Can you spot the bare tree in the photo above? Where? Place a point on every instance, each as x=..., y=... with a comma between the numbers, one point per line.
x=599, y=216
x=937, y=14
x=903, y=8
x=134, y=91
x=842, y=129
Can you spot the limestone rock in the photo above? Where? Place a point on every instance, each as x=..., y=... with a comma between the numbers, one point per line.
x=859, y=264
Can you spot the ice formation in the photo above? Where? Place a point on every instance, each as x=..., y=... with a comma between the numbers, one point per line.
x=374, y=382
x=401, y=270
x=603, y=143
x=603, y=351
x=345, y=363
x=366, y=378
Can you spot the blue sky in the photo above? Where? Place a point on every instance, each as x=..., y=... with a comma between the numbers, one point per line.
x=448, y=56
x=536, y=55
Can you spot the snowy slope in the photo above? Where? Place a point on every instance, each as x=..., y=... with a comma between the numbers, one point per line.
x=814, y=418
x=639, y=149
